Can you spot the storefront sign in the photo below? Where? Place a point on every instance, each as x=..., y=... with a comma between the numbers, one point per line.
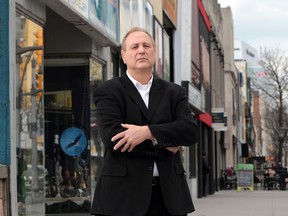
x=81, y=6
x=170, y=8
x=219, y=119
x=245, y=179
x=104, y=14
x=194, y=96
x=135, y=13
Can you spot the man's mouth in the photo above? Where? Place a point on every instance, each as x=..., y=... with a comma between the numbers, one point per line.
x=142, y=59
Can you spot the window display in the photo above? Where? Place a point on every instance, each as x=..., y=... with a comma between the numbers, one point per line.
x=67, y=136
x=73, y=149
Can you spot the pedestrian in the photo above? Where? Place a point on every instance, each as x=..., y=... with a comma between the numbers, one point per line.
x=143, y=121
x=205, y=172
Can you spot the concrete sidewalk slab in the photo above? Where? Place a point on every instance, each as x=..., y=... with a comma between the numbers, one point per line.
x=243, y=203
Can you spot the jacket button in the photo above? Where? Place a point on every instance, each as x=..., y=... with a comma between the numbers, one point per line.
x=150, y=168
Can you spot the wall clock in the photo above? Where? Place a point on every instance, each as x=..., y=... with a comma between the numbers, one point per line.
x=73, y=141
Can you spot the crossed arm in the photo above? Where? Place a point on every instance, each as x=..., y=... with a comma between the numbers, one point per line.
x=180, y=131
x=133, y=136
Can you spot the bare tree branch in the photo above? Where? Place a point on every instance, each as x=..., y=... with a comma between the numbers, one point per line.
x=274, y=85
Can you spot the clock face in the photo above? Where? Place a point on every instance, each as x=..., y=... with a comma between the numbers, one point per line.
x=73, y=141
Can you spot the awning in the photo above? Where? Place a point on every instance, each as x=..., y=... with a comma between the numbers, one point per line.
x=80, y=20
x=206, y=118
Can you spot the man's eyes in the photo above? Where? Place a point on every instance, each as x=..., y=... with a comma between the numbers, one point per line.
x=137, y=46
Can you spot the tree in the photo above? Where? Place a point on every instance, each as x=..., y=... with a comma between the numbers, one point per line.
x=271, y=126
x=273, y=83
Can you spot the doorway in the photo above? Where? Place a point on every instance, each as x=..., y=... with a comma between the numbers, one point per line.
x=73, y=153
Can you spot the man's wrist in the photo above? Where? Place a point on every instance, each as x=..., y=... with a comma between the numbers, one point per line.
x=154, y=142
x=152, y=138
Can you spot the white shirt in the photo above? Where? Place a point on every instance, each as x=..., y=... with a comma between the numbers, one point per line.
x=144, y=91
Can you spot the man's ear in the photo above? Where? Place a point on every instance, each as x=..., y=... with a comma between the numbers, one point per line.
x=123, y=56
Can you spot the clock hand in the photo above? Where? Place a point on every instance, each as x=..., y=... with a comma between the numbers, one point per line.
x=74, y=142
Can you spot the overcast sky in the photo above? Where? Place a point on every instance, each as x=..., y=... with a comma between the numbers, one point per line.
x=260, y=23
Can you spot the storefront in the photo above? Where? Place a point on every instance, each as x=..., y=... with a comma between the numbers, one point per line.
x=58, y=150
x=64, y=50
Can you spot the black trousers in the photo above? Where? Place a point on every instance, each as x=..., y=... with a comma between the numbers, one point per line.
x=157, y=206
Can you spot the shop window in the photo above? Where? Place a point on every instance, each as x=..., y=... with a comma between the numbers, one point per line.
x=67, y=138
x=73, y=148
x=29, y=116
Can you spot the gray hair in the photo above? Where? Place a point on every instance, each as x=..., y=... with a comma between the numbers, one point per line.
x=135, y=29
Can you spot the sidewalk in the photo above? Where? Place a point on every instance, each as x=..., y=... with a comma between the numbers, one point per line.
x=244, y=203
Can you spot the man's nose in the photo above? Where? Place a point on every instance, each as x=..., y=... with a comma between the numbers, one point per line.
x=141, y=49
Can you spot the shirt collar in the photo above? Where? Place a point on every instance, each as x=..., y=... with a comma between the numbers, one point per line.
x=136, y=83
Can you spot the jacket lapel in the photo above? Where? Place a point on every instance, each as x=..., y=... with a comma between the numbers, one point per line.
x=155, y=96
x=134, y=94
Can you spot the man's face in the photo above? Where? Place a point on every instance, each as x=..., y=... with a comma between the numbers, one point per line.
x=139, y=53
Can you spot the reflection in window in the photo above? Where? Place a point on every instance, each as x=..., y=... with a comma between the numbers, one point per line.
x=30, y=176
x=67, y=145
x=58, y=99
x=97, y=147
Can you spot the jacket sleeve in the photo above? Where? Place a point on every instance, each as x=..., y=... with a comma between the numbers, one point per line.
x=108, y=114
x=182, y=131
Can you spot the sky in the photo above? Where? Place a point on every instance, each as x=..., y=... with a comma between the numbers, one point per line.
x=260, y=23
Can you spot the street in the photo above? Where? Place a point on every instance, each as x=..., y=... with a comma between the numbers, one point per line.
x=243, y=203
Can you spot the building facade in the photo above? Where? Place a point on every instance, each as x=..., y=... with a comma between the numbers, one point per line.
x=57, y=52
x=54, y=55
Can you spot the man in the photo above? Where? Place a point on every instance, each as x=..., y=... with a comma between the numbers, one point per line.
x=205, y=172
x=142, y=122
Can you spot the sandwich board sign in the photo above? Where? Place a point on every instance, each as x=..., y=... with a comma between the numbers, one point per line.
x=245, y=177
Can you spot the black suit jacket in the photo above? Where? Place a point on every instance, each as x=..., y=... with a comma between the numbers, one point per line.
x=124, y=186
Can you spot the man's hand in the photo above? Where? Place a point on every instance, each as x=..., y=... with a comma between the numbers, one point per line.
x=173, y=149
x=131, y=137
